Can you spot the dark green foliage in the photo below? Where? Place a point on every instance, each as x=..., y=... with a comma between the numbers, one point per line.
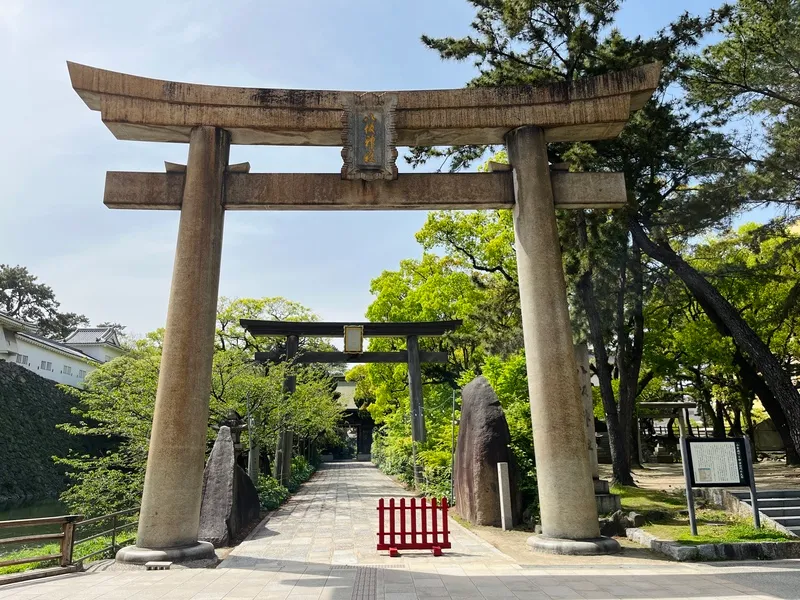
x=116, y=405
x=393, y=455
x=271, y=494
x=30, y=409
x=302, y=470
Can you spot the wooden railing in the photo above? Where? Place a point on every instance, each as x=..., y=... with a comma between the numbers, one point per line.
x=116, y=527
x=67, y=537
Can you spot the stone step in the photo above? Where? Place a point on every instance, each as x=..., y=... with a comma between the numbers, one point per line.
x=742, y=495
x=784, y=511
x=773, y=502
x=788, y=522
x=600, y=486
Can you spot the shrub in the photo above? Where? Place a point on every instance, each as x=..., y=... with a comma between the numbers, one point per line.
x=271, y=494
x=302, y=470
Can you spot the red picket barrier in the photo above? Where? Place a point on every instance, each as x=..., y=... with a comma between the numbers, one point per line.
x=413, y=533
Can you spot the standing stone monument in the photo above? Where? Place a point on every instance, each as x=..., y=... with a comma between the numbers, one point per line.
x=230, y=500
x=483, y=440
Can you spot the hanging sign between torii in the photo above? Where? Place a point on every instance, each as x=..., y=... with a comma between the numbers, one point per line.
x=368, y=149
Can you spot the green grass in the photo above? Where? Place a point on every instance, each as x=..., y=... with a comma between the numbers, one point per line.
x=640, y=499
x=713, y=526
x=80, y=551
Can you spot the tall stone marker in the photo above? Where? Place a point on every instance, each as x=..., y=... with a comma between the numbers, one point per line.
x=483, y=442
x=230, y=500
x=369, y=126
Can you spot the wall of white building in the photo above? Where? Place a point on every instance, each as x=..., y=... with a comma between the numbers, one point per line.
x=102, y=353
x=63, y=368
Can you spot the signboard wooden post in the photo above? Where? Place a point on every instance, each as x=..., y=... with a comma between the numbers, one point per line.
x=717, y=462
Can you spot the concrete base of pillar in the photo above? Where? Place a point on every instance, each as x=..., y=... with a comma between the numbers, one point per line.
x=139, y=556
x=601, y=545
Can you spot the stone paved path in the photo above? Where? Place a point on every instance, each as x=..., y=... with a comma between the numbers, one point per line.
x=320, y=545
x=333, y=520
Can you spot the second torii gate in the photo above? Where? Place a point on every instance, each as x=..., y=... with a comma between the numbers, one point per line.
x=368, y=126
x=412, y=356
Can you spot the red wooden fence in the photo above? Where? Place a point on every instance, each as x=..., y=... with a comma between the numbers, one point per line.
x=413, y=525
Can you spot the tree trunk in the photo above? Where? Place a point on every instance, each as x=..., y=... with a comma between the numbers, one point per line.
x=756, y=384
x=620, y=461
x=631, y=350
x=620, y=458
x=716, y=410
x=747, y=413
x=719, y=420
x=736, y=422
x=722, y=313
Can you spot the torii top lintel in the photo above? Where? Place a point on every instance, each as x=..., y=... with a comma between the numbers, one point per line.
x=259, y=328
x=138, y=108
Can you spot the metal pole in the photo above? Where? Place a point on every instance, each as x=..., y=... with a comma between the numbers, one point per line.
x=114, y=534
x=748, y=451
x=685, y=465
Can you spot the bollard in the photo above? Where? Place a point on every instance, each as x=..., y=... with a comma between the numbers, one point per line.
x=506, y=516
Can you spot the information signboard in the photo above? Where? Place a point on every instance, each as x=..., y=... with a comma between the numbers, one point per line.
x=718, y=462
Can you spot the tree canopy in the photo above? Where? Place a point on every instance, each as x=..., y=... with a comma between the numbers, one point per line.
x=22, y=297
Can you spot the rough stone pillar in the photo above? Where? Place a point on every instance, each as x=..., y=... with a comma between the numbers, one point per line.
x=585, y=382
x=566, y=494
x=173, y=485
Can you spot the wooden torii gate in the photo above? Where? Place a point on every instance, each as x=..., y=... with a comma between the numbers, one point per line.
x=412, y=356
x=369, y=126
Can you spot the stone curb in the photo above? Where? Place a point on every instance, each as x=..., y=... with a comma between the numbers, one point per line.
x=729, y=551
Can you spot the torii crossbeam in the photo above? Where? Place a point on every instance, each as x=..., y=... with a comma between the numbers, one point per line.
x=369, y=126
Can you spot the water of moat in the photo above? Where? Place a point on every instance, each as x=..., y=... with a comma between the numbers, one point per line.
x=44, y=508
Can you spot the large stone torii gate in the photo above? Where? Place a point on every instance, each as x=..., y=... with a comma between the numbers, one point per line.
x=368, y=126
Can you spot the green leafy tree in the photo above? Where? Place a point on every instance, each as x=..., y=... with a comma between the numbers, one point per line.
x=757, y=272
x=750, y=78
x=676, y=168
x=117, y=403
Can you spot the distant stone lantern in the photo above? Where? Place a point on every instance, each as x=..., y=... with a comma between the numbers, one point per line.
x=236, y=423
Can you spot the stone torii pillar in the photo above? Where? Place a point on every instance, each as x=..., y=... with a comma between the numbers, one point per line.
x=169, y=519
x=559, y=433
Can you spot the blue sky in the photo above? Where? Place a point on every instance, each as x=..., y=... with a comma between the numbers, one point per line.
x=116, y=265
